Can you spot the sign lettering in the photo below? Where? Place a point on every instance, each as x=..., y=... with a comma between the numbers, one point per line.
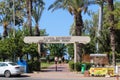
x=57, y=39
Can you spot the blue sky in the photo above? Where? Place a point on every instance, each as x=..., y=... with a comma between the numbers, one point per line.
x=57, y=23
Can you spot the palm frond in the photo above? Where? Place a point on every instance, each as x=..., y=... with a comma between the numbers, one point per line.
x=70, y=9
x=56, y=5
x=37, y=12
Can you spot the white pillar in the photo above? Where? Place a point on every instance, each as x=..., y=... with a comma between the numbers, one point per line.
x=116, y=69
x=39, y=52
x=39, y=49
x=75, y=52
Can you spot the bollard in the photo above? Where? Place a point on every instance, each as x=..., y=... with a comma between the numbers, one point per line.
x=56, y=67
x=116, y=71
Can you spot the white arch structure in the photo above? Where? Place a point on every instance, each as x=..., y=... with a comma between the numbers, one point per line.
x=58, y=39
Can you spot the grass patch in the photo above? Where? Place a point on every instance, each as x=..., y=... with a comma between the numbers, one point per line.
x=45, y=65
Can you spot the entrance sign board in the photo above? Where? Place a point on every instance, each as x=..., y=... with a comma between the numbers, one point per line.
x=98, y=55
x=57, y=39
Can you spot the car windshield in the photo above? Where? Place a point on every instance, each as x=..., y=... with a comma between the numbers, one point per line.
x=13, y=64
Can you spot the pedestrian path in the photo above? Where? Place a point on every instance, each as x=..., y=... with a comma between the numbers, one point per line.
x=57, y=68
x=63, y=73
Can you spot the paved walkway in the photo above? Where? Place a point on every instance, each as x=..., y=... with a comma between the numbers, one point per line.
x=63, y=73
x=57, y=68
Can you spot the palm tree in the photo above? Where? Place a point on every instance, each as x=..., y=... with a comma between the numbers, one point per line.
x=37, y=12
x=112, y=29
x=37, y=9
x=5, y=32
x=6, y=13
x=57, y=49
x=90, y=28
x=5, y=19
x=30, y=4
x=29, y=15
x=75, y=7
x=72, y=29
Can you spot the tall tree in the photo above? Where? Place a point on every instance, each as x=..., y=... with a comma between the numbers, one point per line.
x=37, y=12
x=6, y=15
x=112, y=29
x=29, y=15
x=75, y=7
x=30, y=5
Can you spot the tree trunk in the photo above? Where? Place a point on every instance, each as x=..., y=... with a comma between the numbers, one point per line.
x=112, y=42
x=37, y=31
x=112, y=30
x=78, y=25
x=5, y=33
x=78, y=32
x=29, y=14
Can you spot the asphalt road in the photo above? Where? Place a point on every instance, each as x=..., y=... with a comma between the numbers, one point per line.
x=63, y=73
x=56, y=79
x=25, y=77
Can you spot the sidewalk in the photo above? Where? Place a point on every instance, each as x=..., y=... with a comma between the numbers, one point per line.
x=63, y=72
x=60, y=68
x=50, y=73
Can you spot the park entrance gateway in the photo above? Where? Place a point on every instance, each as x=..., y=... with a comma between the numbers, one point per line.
x=58, y=39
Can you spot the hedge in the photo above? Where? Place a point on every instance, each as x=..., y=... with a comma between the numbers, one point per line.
x=78, y=66
x=33, y=66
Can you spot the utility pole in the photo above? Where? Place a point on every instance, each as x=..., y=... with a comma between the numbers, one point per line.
x=13, y=18
x=14, y=23
x=99, y=23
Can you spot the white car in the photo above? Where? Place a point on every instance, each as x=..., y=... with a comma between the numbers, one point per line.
x=10, y=68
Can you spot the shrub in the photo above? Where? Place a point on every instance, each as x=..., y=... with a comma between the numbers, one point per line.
x=30, y=66
x=36, y=65
x=33, y=66
x=71, y=65
x=51, y=58
x=88, y=65
x=75, y=66
x=78, y=65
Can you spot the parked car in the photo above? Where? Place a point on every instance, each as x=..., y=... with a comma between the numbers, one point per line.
x=10, y=68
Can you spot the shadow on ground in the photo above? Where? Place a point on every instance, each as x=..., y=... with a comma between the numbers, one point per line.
x=20, y=76
x=53, y=69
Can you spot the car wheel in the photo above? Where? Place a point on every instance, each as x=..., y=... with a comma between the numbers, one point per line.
x=7, y=73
